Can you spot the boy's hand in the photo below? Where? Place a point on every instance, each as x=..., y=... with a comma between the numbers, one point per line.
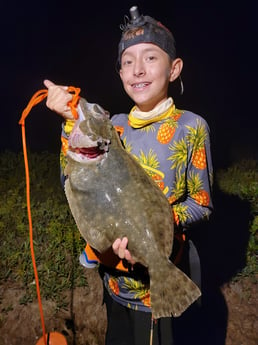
x=57, y=99
x=120, y=249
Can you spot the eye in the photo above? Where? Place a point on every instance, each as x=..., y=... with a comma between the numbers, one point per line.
x=127, y=62
x=151, y=58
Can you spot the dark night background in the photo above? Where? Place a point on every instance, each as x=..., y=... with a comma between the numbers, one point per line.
x=75, y=43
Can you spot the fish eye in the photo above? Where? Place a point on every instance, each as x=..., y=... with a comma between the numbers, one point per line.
x=98, y=109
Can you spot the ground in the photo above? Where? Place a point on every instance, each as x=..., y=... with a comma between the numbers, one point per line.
x=84, y=322
x=241, y=298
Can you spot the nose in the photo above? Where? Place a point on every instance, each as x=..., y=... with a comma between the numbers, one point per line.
x=139, y=69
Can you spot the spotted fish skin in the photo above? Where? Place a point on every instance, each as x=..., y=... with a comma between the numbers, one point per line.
x=111, y=196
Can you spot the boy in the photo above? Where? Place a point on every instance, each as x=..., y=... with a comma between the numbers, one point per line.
x=173, y=147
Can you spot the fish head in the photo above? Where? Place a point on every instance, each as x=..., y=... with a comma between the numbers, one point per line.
x=91, y=134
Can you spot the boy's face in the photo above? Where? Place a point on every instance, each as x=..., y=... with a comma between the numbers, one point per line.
x=146, y=71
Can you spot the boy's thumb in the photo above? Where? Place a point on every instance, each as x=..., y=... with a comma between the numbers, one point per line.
x=48, y=83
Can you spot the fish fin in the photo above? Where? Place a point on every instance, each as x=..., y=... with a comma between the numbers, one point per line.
x=171, y=291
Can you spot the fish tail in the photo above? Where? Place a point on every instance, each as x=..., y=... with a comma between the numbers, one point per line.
x=171, y=291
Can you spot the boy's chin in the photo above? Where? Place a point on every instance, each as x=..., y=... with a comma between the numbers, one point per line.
x=144, y=105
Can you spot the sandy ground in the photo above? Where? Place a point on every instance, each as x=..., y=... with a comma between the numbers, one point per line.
x=84, y=322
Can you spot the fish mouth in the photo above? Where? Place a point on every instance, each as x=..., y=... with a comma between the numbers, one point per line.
x=85, y=154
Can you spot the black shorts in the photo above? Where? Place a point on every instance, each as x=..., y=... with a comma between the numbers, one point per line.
x=129, y=327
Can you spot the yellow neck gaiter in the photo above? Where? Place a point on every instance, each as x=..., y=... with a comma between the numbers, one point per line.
x=139, y=119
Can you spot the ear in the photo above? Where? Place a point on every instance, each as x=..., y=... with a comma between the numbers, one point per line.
x=176, y=68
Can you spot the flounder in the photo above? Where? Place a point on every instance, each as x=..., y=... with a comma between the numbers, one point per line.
x=111, y=196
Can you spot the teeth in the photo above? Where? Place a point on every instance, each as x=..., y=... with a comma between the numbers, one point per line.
x=140, y=85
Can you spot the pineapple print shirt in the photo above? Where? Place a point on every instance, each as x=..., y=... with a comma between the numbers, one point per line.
x=175, y=152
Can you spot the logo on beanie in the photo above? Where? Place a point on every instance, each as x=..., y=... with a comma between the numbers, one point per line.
x=130, y=34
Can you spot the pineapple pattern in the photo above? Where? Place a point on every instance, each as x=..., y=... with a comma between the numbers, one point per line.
x=166, y=132
x=197, y=137
x=195, y=186
x=150, y=163
x=113, y=286
x=136, y=291
x=167, y=129
x=175, y=152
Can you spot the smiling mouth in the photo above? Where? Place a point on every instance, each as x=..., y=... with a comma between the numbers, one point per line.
x=140, y=85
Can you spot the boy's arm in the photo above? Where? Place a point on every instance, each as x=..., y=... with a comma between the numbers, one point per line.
x=196, y=205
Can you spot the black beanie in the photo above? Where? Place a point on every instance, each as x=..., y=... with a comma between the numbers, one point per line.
x=150, y=31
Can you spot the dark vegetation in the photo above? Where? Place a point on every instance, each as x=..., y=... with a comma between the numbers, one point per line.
x=56, y=241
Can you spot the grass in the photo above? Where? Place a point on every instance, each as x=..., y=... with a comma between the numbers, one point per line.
x=241, y=180
x=57, y=243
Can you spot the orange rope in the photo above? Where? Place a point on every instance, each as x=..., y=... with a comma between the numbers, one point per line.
x=37, y=98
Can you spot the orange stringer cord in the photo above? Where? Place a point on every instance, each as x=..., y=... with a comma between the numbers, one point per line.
x=37, y=98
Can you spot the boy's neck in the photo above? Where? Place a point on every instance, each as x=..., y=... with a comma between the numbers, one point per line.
x=159, y=109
